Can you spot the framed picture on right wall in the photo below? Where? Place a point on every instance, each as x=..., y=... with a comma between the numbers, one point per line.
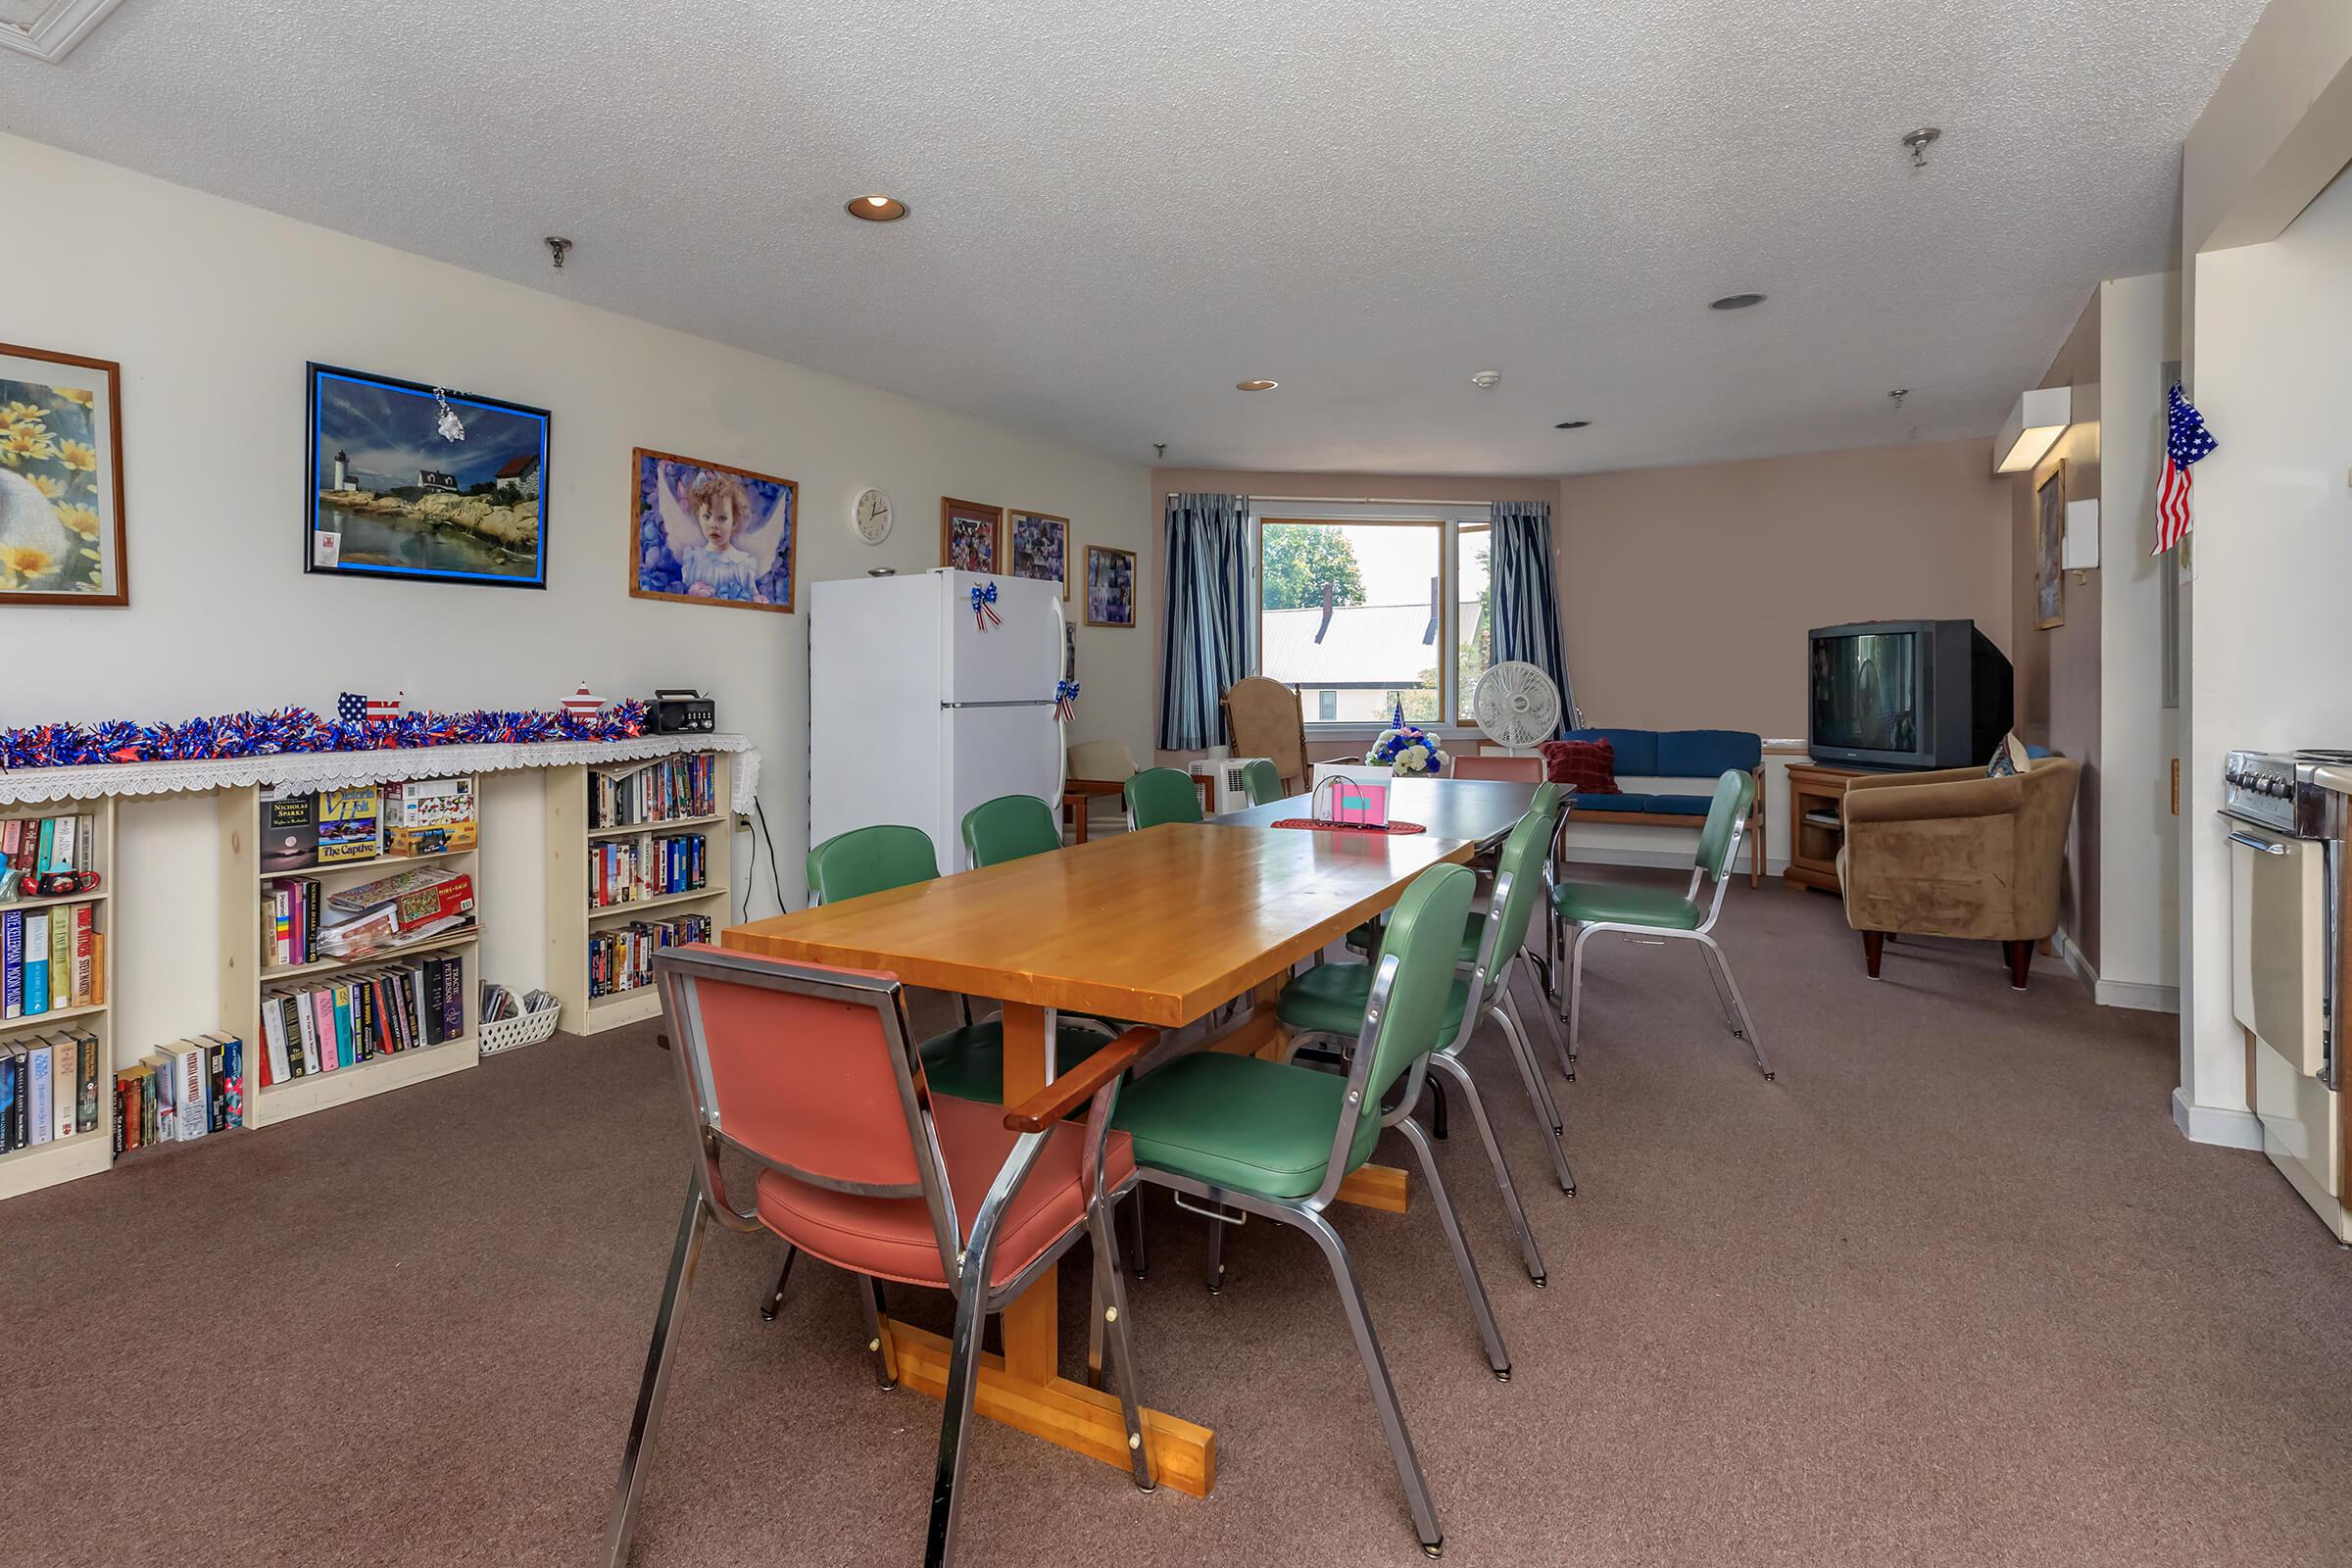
x=1109, y=586
x=2049, y=550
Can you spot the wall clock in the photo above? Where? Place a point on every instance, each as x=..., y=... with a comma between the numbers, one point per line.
x=870, y=516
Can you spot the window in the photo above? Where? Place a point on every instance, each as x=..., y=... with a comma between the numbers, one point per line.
x=1362, y=617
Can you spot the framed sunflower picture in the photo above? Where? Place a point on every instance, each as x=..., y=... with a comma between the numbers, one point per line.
x=61, y=479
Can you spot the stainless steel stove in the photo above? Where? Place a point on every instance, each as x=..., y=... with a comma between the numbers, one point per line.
x=2285, y=791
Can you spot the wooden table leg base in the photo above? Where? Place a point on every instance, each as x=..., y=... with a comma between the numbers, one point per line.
x=1381, y=1187
x=1068, y=1415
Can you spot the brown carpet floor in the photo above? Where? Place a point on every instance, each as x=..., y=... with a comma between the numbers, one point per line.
x=1951, y=1291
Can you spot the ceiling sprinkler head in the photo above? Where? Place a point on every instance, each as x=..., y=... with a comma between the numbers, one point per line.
x=1486, y=380
x=557, y=247
x=1899, y=394
x=1919, y=141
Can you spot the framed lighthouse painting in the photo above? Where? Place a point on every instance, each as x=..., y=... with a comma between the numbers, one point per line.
x=423, y=482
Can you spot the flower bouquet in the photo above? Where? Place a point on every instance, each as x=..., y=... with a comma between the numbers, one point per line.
x=1406, y=750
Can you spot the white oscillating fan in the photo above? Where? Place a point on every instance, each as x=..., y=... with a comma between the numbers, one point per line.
x=1516, y=705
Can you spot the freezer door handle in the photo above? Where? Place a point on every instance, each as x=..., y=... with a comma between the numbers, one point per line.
x=2260, y=846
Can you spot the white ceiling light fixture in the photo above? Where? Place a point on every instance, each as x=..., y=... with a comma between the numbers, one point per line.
x=48, y=30
x=1486, y=380
x=2032, y=427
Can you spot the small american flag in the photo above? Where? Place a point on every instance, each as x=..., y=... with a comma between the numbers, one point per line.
x=352, y=709
x=2187, y=440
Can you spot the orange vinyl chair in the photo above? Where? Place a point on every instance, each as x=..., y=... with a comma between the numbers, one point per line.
x=813, y=1074
x=1505, y=770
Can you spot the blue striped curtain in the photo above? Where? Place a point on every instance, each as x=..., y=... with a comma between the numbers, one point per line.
x=1208, y=618
x=1527, y=598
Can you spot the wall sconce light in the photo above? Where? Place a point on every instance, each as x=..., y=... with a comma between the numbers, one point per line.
x=2079, y=551
x=2032, y=427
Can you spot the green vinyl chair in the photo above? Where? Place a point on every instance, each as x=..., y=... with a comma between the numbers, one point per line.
x=1011, y=827
x=1275, y=1140
x=1328, y=1002
x=1160, y=795
x=1264, y=782
x=1593, y=908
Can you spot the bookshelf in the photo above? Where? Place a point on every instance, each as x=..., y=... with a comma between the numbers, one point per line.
x=85, y=1153
x=246, y=976
x=571, y=845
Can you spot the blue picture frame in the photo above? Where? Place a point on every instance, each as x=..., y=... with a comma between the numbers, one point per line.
x=390, y=494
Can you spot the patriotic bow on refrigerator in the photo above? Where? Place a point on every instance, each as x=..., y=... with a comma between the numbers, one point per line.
x=2185, y=441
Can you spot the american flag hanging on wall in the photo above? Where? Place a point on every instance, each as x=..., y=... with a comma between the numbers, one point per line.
x=2185, y=441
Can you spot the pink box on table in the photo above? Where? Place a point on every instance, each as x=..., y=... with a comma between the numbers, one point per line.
x=1355, y=803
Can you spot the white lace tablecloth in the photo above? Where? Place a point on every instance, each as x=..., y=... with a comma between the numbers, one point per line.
x=335, y=769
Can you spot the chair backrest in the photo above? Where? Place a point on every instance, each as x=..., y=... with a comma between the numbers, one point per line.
x=807, y=1068
x=1509, y=770
x=1010, y=828
x=1519, y=875
x=1265, y=782
x=1423, y=940
x=1264, y=718
x=1160, y=795
x=1105, y=761
x=870, y=859
x=1735, y=792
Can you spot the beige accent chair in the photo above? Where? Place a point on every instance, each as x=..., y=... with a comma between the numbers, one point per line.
x=1956, y=854
x=1263, y=719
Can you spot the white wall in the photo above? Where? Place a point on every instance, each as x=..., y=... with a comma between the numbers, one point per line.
x=2138, y=840
x=212, y=308
x=2271, y=638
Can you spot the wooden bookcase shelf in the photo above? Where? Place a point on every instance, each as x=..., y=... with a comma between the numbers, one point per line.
x=61, y=1160
x=571, y=922
x=245, y=978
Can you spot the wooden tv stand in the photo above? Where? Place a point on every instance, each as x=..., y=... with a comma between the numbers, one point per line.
x=1816, y=823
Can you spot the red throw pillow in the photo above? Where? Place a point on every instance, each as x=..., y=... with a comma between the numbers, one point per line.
x=1585, y=768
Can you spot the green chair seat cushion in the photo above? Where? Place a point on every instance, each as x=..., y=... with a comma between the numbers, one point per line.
x=1257, y=1126
x=968, y=1064
x=1588, y=903
x=1365, y=938
x=1330, y=999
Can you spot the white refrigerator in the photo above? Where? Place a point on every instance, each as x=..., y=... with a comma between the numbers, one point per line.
x=920, y=709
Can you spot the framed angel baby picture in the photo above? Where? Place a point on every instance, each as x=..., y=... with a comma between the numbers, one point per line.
x=969, y=536
x=709, y=534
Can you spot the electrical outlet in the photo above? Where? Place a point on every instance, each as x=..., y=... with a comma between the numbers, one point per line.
x=743, y=822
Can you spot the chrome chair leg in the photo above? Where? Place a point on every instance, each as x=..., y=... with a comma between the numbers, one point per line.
x=775, y=1300
x=1452, y=1068
x=654, y=1387
x=1551, y=1021
x=1505, y=1013
x=1740, y=1002
x=1094, y=1331
x=1110, y=1309
x=1497, y=1359
x=1376, y=1371
x=1722, y=999
x=1141, y=1265
x=1216, y=1256
x=870, y=1296
x=1532, y=1079
x=1576, y=988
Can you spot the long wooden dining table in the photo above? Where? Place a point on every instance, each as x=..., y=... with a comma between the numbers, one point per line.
x=1159, y=927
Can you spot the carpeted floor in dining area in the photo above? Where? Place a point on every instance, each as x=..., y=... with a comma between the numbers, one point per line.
x=1952, y=1291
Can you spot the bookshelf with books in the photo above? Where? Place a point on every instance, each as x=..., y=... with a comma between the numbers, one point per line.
x=639, y=858
x=350, y=938
x=56, y=976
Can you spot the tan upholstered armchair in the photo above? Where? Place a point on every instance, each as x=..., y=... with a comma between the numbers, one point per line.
x=1263, y=719
x=1955, y=853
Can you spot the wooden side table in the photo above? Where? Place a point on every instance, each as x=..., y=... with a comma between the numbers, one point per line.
x=1078, y=794
x=1816, y=824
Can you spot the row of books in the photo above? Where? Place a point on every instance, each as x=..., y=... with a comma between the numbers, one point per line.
x=51, y=959
x=303, y=828
x=621, y=957
x=182, y=1092
x=40, y=845
x=359, y=1016
x=48, y=1088
x=628, y=871
x=662, y=791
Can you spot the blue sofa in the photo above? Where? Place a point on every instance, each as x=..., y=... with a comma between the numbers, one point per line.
x=1669, y=777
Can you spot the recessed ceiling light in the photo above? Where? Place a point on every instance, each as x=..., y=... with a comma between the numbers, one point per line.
x=1735, y=302
x=1255, y=387
x=878, y=208
x=1572, y=424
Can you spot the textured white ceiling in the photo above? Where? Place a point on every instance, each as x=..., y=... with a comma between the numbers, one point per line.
x=1119, y=211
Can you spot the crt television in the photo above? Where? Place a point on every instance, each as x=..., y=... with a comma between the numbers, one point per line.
x=1906, y=693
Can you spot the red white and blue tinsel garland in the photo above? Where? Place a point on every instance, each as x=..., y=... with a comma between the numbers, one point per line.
x=298, y=729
